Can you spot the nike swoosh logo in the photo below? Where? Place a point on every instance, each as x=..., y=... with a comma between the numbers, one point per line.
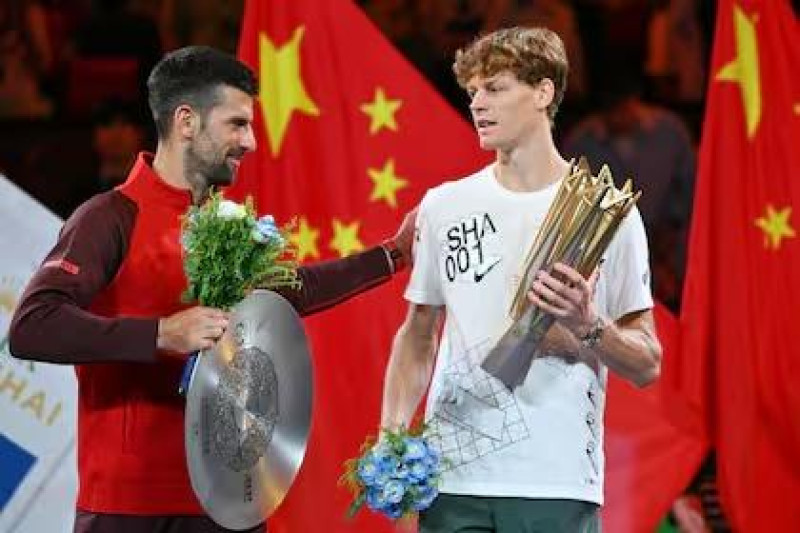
x=480, y=275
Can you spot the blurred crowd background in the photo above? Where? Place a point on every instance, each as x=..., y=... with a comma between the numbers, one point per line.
x=73, y=112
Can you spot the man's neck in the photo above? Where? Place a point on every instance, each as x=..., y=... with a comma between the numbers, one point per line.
x=531, y=166
x=169, y=165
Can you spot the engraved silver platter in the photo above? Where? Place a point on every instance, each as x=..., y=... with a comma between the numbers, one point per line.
x=248, y=412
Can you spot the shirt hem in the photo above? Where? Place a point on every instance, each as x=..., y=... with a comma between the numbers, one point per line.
x=549, y=492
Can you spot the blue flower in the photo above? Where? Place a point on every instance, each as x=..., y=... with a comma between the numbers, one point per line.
x=384, y=456
x=394, y=511
x=266, y=230
x=415, y=449
x=376, y=499
x=394, y=491
x=399, y=475
x=401, y=472
x=367, y=469
x=418, y=471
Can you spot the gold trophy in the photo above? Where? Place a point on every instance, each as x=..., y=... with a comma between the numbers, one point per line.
x=576, y=231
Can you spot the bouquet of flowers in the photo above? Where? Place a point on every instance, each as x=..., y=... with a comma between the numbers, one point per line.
x=397, y=476
x=228, y=252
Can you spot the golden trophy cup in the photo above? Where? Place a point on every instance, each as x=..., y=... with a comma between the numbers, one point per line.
x=576, y=231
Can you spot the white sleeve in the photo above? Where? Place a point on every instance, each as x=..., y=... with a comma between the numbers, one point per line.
x=425, y=286
x=627, y=269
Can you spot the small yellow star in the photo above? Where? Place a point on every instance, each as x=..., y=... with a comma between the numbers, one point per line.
x=345, y=238
x=381, y=112
x=387, y=183
x=281, y=87
x=796, y=109
x=775, y=226
x=305, y=239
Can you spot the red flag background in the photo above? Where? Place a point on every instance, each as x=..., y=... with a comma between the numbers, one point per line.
x=350, y=137
x=649, y=458
x=741, y=356
x=363, y=138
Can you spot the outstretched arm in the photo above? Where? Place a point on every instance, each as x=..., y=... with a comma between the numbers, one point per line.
x=326, y=284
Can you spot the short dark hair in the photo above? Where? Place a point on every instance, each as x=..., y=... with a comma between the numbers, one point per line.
x=193, y=75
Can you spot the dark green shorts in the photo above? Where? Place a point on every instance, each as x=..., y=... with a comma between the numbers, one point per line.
x=473, y=514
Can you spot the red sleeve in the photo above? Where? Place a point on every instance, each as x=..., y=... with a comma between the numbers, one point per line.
x=329, y=283
x=52, y=323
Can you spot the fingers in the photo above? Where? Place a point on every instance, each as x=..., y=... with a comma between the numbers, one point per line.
x=197, y=328
x=545, y=306
x=558, y=297
x=550, y=294
x=211, y=313
x=212, y=324
x=566, y=295
x=571, y=289
x=570, y=275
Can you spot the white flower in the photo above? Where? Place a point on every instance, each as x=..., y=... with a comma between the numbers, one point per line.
x=231, y=210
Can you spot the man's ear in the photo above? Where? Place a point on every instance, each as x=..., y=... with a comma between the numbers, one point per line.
x=185, y=121
x=545, y=92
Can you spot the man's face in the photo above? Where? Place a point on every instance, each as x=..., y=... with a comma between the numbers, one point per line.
x=224, y=136
x=505, y=111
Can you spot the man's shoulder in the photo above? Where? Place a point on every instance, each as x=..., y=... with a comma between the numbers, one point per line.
x=106, y=208
x=452, y=190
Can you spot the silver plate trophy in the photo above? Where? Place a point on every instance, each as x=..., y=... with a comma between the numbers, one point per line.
x=248, y=412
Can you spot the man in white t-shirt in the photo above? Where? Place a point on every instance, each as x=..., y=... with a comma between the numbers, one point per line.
x=530, y=459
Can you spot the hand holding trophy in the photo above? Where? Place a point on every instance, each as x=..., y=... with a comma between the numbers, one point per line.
x=577, y=230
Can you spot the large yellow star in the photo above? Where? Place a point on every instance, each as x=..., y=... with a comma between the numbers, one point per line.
x=744, y=68
x=305, y=240
x=345, y=238
x=775, y=226
x=387, y=183
x=282, y=91
x=381, y=112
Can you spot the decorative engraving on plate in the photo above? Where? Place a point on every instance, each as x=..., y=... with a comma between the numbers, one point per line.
x=244, y=409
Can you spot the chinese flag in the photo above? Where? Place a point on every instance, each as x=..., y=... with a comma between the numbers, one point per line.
x=741, y=355
x=650, y=458
x=350, y=137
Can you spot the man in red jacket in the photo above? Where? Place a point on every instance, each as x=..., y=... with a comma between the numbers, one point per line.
x=107, y=299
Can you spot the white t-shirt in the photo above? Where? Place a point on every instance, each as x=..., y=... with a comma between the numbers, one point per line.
x=544, y=440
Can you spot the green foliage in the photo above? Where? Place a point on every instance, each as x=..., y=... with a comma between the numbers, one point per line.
x=223, y=258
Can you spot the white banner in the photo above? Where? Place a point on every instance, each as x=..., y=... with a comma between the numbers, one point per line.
x=38, y=479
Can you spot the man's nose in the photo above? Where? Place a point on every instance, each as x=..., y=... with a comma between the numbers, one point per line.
x=478, y=101
x=249, y=140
